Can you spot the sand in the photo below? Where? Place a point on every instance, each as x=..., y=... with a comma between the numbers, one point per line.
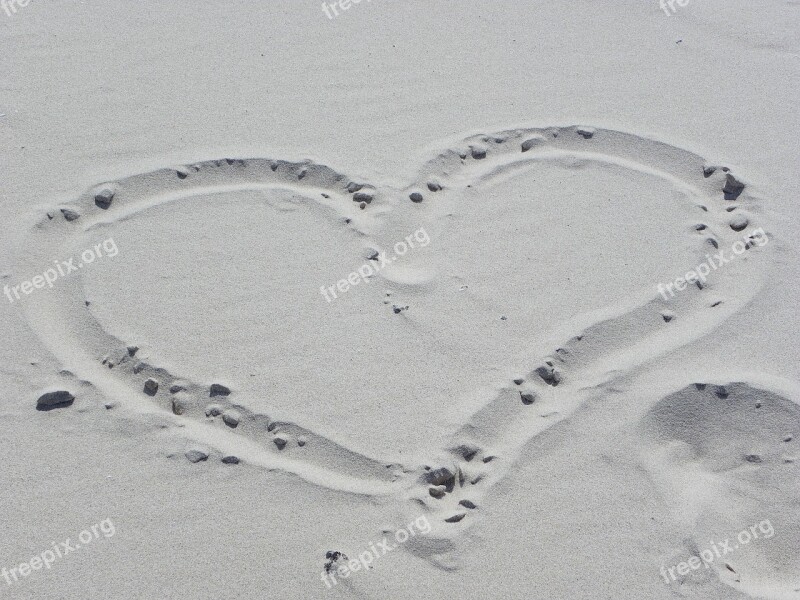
x=403, y=299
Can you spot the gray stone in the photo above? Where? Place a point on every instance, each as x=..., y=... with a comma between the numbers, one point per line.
x=733, y=187
x=532, y=142
x=478, y=152
x=437, y=491
x=60, y=398
x=217, y=389
x=69, y=214
x=739, y=222
x=455, y=518
x=151, y=387
x=442, y=476
x=103, y=198
x=231, y=417
x=196, y=455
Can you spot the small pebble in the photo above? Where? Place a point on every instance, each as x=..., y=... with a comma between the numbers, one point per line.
x=455, y=518
x=69, y=215
x=549, y=374
x=61, y=398
x=334, y=558
x=441, y=476
x=437, y=491
x=739, y=222
x=231, y=418
x=103, y=198
x=178, y=406
x=733, y=187
x=467, y=451
x=196, y=455
x=478, y=152
x=217, y=389
x=150, y=387
x=531, y=142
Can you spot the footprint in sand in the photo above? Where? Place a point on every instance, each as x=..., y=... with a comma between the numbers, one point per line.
x=724, y=461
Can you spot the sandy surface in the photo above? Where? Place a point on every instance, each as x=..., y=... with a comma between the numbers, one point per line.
x=391, y=301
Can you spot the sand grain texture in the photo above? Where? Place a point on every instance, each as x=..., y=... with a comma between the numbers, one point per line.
x=333, y=278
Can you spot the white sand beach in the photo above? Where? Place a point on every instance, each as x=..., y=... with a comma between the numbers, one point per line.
x=400, y=299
